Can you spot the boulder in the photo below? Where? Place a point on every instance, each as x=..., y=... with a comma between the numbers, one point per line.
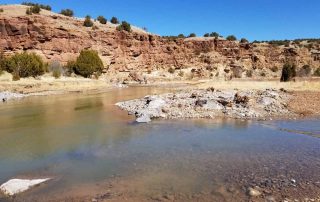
x=144, y=118
x=16, y=186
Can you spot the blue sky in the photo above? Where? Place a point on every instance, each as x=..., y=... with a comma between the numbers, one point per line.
x=252, y=19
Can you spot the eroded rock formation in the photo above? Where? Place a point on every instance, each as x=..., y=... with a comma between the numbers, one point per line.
x=56, y=37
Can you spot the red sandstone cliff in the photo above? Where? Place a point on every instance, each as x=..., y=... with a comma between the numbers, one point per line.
x=57, y=37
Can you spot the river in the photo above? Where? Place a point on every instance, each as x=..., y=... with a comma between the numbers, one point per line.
x=92, y=149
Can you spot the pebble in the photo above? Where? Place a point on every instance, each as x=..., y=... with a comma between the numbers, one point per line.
x=253, y=192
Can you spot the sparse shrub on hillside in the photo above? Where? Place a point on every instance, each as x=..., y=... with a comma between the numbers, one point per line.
x=114, y=20
x=67, y=12
x=25, y=65
x=231, y=38
x=1, y=10
x=28, y=11
x=181, y=73
x=214, y=34
x=102, y=20
x=69, y=67
x=305, y=71
x=171, y=70
x=288, y=72
x=88, y=63
x=87, y=21
x=46, y=7
x=244, y=40
x=274, y=69
x=124, y=26
x=237, y=72
x=317, y=72
x=192, y=35
x=249, y=73
x=56, y=68
x=263, y=74
x=181, y=36
x=206, y=35
x=94, y=27
x=35, y=9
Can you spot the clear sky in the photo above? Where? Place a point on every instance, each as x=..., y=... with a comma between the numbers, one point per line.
x=252, y=19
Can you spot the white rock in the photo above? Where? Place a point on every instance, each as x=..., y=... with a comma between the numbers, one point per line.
x=6, y=95
x=253, y=192
x=143, y=119
x=16, y=186
x=157, y=103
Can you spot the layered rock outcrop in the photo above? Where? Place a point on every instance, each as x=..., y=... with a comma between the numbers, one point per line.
x=61, y=38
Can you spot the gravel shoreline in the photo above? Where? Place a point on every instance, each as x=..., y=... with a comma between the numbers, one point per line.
x=6, y=95
x=211, y=103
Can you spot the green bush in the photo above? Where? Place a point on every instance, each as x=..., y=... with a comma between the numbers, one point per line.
x=124, y=26
x=67, y=12
x=288, y=72
x=206, y=35
x=244, y=40
x=102, y=20
x=88, y=63
x=214, y=34
x=317, y=72
x=114, y=20
x=87, y=21
x=231, y=38
x=46, y=7
x=171, y=70
x=35, y=9
x=181, y=36
x=192, y=35
x=25, y=65
x=1, y=10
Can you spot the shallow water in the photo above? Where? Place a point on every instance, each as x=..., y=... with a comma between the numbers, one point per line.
x=85, y=139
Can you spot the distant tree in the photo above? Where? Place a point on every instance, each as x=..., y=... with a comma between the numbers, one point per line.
x=35, y=9
x=46, y=7
x=231, y=38
x=206, y=35
x=145, y=29
x=88, y=22
x=244, y=40
x=87, y=64
x=102, y=19
x=181, y=36
x=317, y=72
x=192, y=35
x=67, y=12
x=114, y=20
x=214, y=34
x=124, y=26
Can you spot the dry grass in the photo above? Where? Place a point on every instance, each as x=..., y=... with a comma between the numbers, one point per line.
x=313, y=85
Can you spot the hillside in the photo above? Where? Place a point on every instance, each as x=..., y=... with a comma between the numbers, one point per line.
x=57, y=37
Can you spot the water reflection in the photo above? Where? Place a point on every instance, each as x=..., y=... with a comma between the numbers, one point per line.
x=85, y=138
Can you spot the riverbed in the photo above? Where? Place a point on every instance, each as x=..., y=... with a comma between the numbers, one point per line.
x=93, y=151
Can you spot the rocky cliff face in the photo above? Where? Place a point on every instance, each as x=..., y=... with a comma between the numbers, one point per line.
x=56, y=37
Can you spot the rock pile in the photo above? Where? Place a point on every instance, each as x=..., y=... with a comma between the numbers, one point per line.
x=209, y=104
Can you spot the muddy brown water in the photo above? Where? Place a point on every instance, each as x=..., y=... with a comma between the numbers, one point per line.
x=93, y=150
